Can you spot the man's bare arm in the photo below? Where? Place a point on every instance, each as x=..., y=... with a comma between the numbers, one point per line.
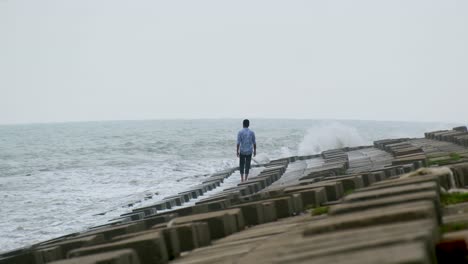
x=255, y=150
x=238, y=150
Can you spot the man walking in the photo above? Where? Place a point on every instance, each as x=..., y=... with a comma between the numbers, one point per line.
x=245, y=145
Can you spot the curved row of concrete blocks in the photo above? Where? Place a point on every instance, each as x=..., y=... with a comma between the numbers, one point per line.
x=458, y=135
x=403, y=151
x=158, y=238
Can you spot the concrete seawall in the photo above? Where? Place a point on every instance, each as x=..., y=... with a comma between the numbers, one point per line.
x=384, y=203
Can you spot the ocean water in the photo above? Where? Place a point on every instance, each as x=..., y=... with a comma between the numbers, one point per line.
x=56, y=178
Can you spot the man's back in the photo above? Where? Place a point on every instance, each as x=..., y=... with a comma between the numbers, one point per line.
x=246, y=140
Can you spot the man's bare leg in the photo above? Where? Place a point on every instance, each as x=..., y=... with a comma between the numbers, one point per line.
x=246, y=176
x=242, y=177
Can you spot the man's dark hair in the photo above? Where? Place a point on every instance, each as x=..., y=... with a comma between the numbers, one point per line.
x=246, y=123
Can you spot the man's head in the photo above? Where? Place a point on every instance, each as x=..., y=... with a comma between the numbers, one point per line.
x=246, y=123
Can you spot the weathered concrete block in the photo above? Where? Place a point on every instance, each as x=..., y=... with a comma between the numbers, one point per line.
x=397, y=213
x=118, y=230
x=253, y=212
x=150, y=248
x=368, y=179
x=284, y=206
x=333, y=189
x=349, y=183
x=124, y=256
x=269, y=211
x=312, y=197
x=154, y=220
x=431, y=196
x=170, y=239
x=220, y=223
x=190, y=236
x=178, y=199
x=415, y=252
x=392, y=191
x=461, y=208
x=460, y=172
x=69, y=244
x=298, y=206
x=48, y=254
x=365, y=238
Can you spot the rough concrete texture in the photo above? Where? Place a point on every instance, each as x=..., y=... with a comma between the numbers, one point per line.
x=124, y=256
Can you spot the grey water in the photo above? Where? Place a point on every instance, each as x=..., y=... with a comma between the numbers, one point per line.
x=56, y=178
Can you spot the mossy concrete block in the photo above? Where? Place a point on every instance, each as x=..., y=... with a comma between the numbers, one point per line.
x=220, y=223
x=124, y=256
x=452, y=209
x=456, y=219
x=431, y=196
x=150, y=248
x=392, y=214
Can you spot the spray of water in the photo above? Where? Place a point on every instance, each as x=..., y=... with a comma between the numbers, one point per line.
x=329, y=136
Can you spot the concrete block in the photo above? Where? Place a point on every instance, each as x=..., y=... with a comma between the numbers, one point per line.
x=392, y=191
x=460, y=172
x=113, y=231
x=334, y=189
x=69, y=244
x=220, y=223
x=170, y=239
x=284, y=206
x=349, y=183
x=150, y=248
x=368, y=179
x=298, y=206
x=253, y=212
x=414, y=252
x=124, y=256
x=367, y=237
x=48, y=254
x=269, y=212
x=312, y=197
x=178, y=199
x=431, y=196
x=392, y=214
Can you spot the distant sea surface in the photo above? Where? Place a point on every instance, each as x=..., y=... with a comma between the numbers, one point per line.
x=56, y=178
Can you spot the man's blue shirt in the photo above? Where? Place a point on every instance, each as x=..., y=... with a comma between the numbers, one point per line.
x=246, y=140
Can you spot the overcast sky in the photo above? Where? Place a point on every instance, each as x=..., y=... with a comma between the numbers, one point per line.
x=118, y=60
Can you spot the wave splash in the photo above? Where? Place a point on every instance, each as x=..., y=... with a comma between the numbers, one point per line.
x=329, y=136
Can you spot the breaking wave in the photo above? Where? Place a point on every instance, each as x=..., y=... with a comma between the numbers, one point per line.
x=329, y=136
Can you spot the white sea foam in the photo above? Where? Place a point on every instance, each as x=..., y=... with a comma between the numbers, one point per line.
x=330, y=136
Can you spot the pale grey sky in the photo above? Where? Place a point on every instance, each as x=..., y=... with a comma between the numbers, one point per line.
x=106, y=60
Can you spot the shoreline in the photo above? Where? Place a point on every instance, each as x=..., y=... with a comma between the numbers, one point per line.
x=287, y=190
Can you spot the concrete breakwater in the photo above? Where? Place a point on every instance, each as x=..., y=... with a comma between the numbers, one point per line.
x=381, y=203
